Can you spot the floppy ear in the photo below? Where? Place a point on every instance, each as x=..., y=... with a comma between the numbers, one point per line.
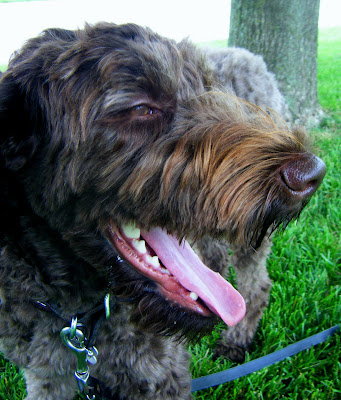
x=18, y=124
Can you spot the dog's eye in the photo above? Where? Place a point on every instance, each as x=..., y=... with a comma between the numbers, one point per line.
x=142, y=110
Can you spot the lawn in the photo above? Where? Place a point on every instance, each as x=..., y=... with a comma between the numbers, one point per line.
x=305, y=267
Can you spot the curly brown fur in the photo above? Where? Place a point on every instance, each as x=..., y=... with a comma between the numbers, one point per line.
x=247, y=75
x=113, y=124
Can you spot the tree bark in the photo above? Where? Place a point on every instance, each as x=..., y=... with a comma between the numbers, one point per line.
x=285, y=33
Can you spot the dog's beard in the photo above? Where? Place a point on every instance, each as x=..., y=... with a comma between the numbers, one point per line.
x=276, y=217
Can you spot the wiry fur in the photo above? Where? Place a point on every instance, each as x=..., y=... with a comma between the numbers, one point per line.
x=76, y=156
x=247, y=75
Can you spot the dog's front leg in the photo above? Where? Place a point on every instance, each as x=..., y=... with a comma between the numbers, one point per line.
x=135, y=365
x=254, y=284
x=49, y=387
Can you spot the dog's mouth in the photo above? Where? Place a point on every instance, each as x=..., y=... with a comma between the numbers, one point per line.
x=179, y=273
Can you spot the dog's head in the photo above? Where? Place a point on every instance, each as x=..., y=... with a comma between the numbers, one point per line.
x=121, y=141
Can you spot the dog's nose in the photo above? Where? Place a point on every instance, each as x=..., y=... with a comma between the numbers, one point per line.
x=304, y=175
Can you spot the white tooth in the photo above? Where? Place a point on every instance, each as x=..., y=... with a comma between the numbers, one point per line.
x=140, y=246
x=154, y=261
x=131, y=231
x=165, y=271
x=193, y=296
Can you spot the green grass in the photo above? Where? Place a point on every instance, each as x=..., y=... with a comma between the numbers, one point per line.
x=305, y=267
x=329, y=75
x=12, y=385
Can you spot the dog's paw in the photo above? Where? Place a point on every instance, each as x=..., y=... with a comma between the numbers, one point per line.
x=229, y=350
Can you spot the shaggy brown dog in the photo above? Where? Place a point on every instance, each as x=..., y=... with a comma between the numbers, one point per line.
x=116, y=146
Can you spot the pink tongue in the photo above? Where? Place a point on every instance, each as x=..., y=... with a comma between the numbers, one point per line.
x=182, y=262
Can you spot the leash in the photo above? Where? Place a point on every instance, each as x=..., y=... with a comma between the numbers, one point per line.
x=219, y=378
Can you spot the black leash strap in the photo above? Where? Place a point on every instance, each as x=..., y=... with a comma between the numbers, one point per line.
x=218, y=378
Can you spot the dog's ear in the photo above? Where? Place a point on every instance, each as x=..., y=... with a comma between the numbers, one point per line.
x=19, y=117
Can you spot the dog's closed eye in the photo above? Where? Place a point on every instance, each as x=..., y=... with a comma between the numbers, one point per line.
x=140, y=113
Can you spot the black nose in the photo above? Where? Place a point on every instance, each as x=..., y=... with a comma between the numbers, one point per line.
x=304, y=175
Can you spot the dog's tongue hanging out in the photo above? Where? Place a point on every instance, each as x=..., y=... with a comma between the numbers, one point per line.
x=185, y=277
x=182, y=262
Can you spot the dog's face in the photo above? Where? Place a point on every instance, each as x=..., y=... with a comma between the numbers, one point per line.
x=123, y=143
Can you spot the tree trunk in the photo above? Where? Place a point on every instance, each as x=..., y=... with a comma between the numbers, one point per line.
x=284, y=32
